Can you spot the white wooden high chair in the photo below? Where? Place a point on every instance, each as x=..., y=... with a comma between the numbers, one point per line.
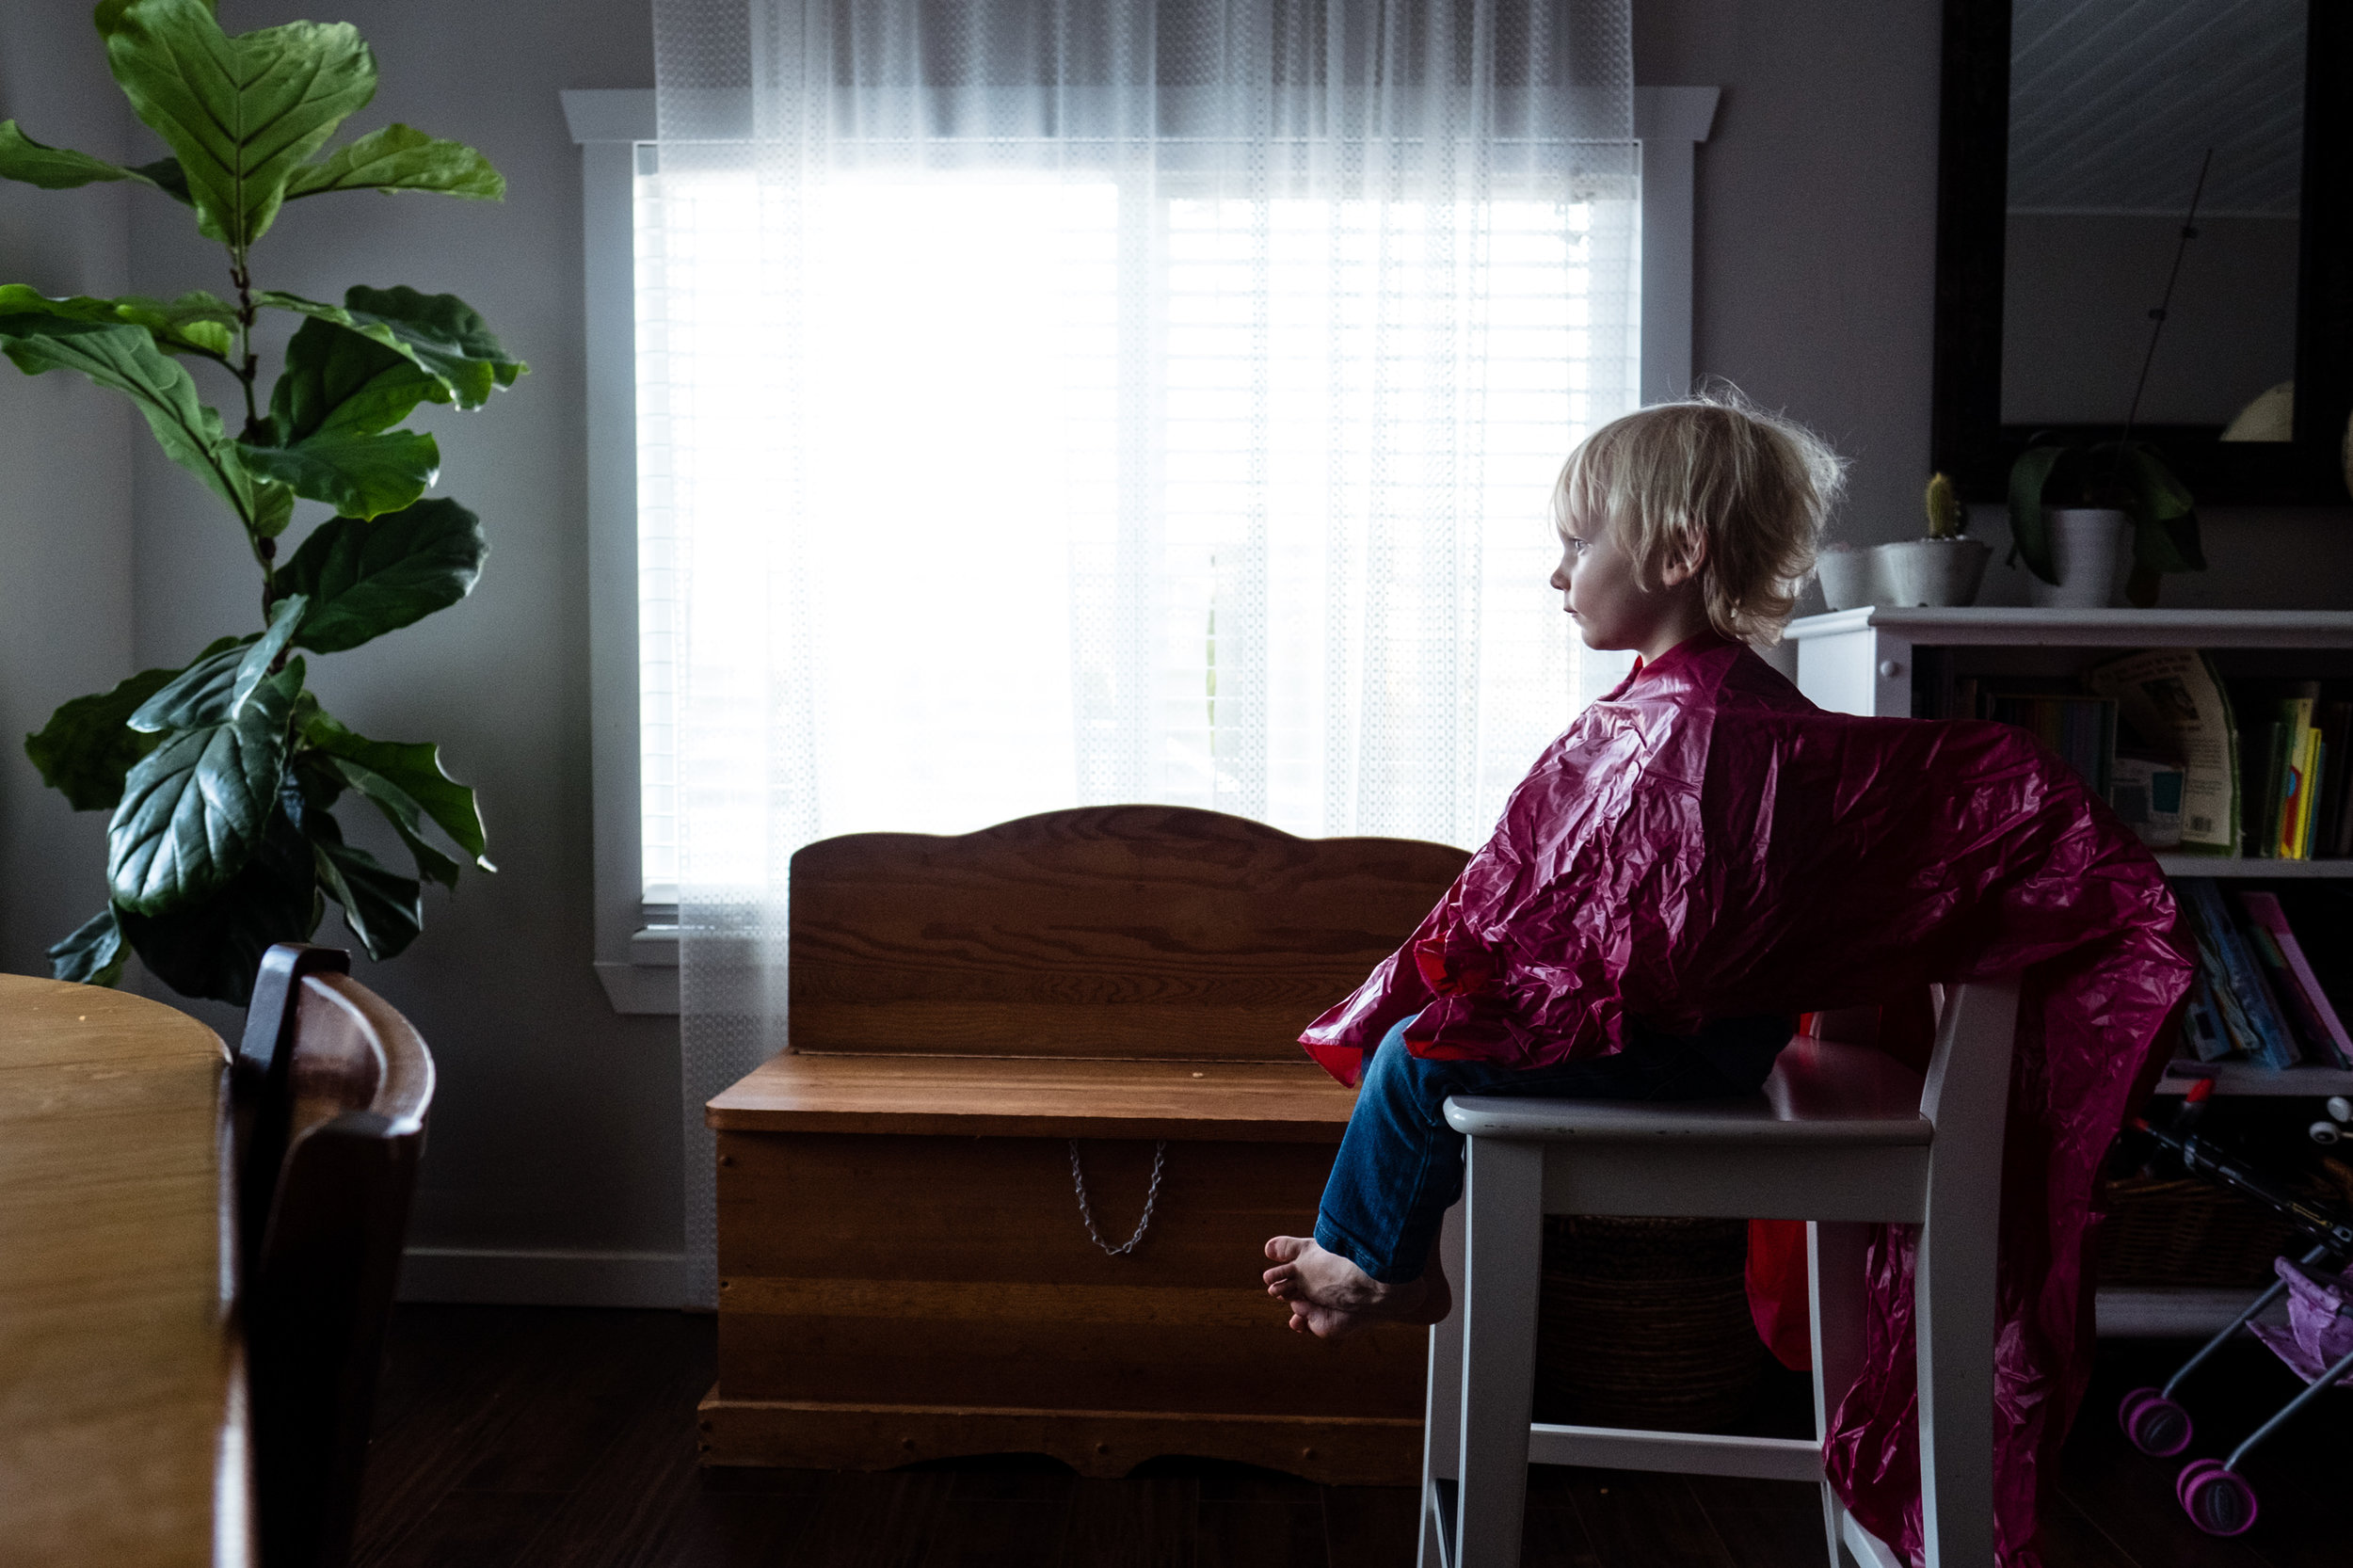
x=1841, y=1137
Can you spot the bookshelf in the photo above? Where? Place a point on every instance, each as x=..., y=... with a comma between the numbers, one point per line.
x=2216, y=864
x=1872, y=661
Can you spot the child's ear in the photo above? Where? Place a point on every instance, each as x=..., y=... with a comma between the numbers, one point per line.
x=1686, y=562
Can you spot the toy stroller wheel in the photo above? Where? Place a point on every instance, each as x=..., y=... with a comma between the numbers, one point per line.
x=2155, y=1424
x=2217, y=1500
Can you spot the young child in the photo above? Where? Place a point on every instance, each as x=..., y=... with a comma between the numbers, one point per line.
x=1705, y=853
x=1683, y=526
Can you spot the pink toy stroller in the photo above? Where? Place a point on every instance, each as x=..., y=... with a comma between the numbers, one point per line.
x=2316, y=1342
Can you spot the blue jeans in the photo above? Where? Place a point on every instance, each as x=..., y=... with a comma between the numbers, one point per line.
x=1400, y=1166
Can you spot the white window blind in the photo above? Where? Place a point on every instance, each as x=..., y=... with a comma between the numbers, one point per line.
x=1113, y=496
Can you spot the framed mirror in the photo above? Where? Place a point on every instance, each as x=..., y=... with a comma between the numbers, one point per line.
x=2077, y=138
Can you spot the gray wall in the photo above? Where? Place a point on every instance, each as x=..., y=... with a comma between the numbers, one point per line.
x=65, y=491
x=556, y=1133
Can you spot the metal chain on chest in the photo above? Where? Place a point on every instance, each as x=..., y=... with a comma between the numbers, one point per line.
x=1151, y=1196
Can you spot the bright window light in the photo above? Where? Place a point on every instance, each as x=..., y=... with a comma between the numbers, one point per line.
x=1076, y=466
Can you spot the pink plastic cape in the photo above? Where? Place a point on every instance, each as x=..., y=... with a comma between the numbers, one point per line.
x=1703, y=842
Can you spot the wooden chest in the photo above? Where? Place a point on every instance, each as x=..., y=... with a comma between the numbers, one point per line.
x=903, y=1270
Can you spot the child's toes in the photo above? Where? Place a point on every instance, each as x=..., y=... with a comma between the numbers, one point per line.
x=1284, y=1249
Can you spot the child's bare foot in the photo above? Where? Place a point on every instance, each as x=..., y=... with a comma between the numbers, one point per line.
x=1330, y=1296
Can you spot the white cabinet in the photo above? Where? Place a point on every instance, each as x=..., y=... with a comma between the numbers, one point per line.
x=1874, y=661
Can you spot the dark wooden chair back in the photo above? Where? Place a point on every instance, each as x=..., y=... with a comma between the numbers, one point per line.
x=334, y=1088
x=1112, y=931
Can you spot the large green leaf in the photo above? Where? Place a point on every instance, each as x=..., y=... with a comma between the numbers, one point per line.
x=369, y=576
x=330, y=422
x=126, y=359
x=216, y=688
x=340, y=380
x=213, y=946
x=94, y=955
x=241, y=114
x=439, y=333
x=399, y=158
x=197, y=323
x=2029, y=534
x=2165, y=515
x=403, y=813
x=411, y=768
x=361, y=475
x=193, y=808
x=88, y=744
x=273, y=507
x=56, y=167
x=384, y=909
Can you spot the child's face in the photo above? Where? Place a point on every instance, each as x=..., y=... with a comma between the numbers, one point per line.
x=1604, y=595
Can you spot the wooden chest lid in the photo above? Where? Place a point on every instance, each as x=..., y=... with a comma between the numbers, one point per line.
x=1120, y=931
x=1031, y=1097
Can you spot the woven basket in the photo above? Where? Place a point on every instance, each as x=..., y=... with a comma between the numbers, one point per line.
x=1645, y=1323
x=2181, y=1230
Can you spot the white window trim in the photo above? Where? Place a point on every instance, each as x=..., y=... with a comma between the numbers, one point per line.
x=637, y=961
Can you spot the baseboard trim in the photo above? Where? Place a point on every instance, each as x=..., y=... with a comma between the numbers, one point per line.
x=504, y=1277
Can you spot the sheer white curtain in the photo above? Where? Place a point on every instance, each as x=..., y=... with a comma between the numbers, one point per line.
x=1057, y=402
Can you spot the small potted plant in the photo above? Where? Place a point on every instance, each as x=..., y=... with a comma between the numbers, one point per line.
x=1945, y=567
x=2113, y=490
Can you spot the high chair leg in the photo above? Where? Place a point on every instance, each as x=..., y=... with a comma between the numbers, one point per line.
x=1836, y=1301
x=1503, y=1204
x=1441, y=1437
x=1953, y=1317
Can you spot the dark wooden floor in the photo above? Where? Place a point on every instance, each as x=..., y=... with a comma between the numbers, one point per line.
x=539, y=1436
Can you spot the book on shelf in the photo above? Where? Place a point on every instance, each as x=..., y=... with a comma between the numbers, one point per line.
x=2081, y=730
x=2177, y=709
x=2251, y=1014
x=2295, y=979
x=2333, y=833
x=2202, y=1020
x=2297, y=803
x=2320, y=915
x=2269, y=967
x=2246, y=768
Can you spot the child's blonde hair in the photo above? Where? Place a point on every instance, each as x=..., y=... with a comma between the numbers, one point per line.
x=1752, y=487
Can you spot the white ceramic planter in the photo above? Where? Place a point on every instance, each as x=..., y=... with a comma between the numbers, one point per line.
x=1908, y=572
x=1940, y=573
x=1848, y=577
x=2088, y=549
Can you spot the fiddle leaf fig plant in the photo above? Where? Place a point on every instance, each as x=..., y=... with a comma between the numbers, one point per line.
x=223, y=776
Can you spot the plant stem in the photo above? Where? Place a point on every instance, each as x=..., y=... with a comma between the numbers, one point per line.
x=2165, y=307
x=249, y=366
x=248, y=369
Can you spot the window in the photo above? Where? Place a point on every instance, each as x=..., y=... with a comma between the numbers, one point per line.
x=1039, y=287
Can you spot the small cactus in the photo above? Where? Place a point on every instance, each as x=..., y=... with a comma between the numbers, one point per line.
x=1947, y=519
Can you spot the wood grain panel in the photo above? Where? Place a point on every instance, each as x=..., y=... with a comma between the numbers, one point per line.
x=824, y=1205
x=1133, y=929
x=122, y=1412
x=1292, y=1101
x=864, y=1268
x=1100, y=1443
